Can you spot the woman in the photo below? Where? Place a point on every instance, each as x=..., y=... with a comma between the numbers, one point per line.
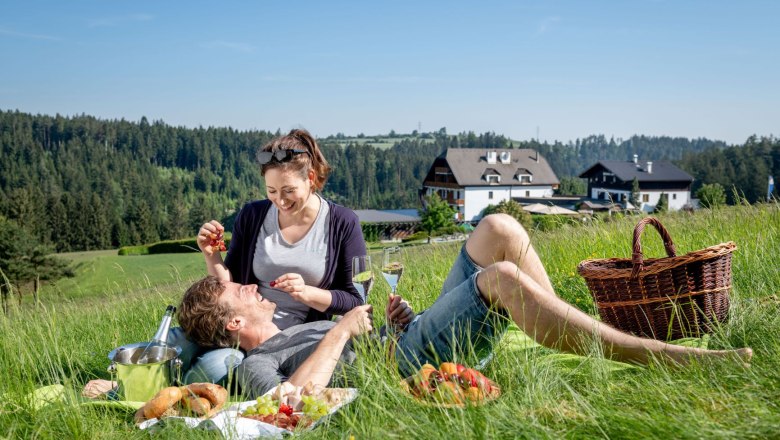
x=295, y=245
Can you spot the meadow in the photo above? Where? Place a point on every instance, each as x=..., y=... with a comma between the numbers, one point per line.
x=117, y=300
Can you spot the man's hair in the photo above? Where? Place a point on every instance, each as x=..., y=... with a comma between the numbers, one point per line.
x=203, y=316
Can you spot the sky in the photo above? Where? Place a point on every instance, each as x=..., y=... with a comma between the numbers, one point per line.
x=556, y=70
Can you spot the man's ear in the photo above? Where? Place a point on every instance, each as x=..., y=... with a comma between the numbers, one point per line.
x=235, y=324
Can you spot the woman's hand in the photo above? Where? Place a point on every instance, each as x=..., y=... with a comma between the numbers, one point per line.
x=206, y=236
x=293, y=285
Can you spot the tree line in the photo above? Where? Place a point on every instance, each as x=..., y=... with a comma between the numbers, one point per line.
x=83, y=183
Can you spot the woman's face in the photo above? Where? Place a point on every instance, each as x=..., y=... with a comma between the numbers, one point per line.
x=288, y=190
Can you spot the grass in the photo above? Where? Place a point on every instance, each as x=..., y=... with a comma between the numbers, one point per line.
x=116, y=300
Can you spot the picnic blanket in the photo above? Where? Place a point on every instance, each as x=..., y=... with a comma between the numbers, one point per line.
x=515, y=340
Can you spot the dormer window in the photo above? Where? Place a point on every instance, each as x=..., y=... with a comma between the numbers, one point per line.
x=505, y=157
x=523, y=175
x=491, y=176
x=491, y=157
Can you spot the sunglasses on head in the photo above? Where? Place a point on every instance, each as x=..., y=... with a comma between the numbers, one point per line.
x=280, y=156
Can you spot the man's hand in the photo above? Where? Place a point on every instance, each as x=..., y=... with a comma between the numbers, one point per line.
x=398, y=313
x=357, y=321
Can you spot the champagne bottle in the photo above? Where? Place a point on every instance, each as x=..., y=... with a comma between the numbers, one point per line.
x=156, y=349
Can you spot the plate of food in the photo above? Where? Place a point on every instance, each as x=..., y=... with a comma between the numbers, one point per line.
x=292, y=408
x=450, y=386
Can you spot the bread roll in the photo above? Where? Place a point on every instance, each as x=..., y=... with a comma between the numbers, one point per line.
x=199, y=406
x=216, y=394
x=162, y=402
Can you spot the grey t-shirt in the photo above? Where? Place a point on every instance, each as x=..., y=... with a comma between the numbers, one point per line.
x=274, y=257
x=276, y=359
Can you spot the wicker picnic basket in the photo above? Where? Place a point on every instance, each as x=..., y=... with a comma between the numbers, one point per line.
x=662, y=298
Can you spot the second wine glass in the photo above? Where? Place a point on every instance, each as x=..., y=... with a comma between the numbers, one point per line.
x=392, y=267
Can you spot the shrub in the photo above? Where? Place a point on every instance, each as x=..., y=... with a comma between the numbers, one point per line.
x=511, y=208
x=419, y=235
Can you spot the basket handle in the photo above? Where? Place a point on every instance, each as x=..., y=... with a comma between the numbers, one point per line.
x=637, y=258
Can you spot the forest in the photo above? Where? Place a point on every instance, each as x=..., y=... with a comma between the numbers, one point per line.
x=83, y=183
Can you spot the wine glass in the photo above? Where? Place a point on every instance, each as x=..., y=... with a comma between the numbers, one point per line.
x=392, y=268
x=362, y=276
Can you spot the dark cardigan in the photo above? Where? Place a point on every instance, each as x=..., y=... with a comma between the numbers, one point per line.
x=345, y=240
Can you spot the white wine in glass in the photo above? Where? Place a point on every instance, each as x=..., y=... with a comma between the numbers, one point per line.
x=362, y=275
x=392, y=268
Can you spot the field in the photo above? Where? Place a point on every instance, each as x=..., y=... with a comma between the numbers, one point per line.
x=116, y=300
x=379, y=142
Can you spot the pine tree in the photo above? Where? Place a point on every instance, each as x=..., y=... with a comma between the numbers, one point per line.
x=634, y=198
x=663, y=203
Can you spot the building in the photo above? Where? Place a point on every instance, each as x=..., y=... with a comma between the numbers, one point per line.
x=613, y=180
x=470, y=179
x=388, y=224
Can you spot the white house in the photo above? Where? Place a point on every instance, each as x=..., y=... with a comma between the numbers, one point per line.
x=470, y=179
x=613, y=180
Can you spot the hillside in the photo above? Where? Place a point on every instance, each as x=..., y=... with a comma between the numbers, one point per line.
x=81, y=183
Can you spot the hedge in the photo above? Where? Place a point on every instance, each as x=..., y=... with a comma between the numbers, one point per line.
x=182, y=246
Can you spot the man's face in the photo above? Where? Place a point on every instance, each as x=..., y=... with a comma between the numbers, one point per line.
x=246, y=300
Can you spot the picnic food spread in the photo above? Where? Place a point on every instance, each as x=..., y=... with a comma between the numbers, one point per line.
x=290, y=407
x=197, y=399
x=451, y=385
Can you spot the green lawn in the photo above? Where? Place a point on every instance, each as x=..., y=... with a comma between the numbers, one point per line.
x=116, y=300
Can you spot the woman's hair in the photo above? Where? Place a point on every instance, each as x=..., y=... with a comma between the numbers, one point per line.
x=299, y=139
x=203, y=316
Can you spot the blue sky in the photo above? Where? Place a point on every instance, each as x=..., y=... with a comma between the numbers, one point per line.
x=568, y=69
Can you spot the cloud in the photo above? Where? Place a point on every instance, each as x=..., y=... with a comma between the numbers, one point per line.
x=115, y=21
x=230, y=45
x=546, y=24
x=12, y=33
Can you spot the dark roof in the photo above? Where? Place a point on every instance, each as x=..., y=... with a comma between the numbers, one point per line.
x=469, y=165
x=627, y=170
x=376, y=216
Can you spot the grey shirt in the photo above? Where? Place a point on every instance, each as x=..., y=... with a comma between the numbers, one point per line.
x=275, y=360
x=274, y=257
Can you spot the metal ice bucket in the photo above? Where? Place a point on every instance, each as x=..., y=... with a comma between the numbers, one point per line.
x=140, y=382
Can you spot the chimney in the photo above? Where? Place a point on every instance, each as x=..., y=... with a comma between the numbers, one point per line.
x=537, y=156
x=491, y=157
x=649, y=168
x=636, y=159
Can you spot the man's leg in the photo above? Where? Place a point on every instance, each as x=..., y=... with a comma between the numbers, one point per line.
x=556, y=324
x=499, y=237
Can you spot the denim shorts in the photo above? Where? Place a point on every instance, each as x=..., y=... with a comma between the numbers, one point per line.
x=458, y=327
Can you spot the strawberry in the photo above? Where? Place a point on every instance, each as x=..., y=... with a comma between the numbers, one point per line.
x=286, y=409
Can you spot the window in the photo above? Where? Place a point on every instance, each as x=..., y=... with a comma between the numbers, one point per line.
x=490, y=195
x=528, y=193
x=645, y=198
x=674, y=196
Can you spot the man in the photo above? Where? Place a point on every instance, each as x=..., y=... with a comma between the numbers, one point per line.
x=497, y=275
